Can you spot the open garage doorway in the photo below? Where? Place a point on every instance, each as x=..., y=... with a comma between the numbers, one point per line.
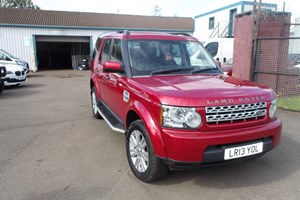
x=61, y=52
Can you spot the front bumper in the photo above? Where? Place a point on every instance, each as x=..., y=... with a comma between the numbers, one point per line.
x=192, y=147
x=14, y=81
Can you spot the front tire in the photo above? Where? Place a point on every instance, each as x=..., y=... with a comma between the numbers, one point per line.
x=141, y=156
x=94, y=102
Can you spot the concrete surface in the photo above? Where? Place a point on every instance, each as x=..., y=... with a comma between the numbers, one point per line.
x=51, y=148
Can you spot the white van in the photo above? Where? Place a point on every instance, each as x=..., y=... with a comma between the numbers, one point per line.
x=221, y=48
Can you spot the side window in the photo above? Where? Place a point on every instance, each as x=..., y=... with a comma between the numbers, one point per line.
x=96, y=49
x=212, y=48
x=116, y=54
x=211, y=23
x=105, y=52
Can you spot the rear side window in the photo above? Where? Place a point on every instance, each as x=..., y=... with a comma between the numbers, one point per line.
x=96, y=49
x=212, y=48
x=105, y=53
x=116, y=54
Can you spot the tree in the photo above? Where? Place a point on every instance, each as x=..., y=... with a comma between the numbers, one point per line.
x=26, y=4
x=157, y=10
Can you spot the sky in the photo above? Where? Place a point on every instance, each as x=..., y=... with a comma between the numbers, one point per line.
x=179, y=8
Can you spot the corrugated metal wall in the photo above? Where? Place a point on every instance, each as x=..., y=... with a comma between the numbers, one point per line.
x=20, y=41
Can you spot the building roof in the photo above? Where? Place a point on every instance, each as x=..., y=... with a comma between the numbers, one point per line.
x=46, y=18
x=240, y=3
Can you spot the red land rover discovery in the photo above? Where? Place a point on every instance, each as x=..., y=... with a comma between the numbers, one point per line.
x=175, y=105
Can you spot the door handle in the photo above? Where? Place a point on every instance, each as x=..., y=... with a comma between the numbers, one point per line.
x=106, y=77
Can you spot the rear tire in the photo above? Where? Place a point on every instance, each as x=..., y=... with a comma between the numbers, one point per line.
x=1, y=85
x=141, y=156
x=94, y=102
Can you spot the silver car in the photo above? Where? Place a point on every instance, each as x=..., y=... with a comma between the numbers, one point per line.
x=7, y=58
x=15, y=75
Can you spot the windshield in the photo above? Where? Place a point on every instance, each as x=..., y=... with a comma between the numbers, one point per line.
x=8, y=54
x=155, y=57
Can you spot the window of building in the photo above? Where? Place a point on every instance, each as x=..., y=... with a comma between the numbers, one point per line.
x=211, y=23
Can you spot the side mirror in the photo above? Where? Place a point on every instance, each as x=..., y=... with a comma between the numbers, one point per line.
x=113, y=67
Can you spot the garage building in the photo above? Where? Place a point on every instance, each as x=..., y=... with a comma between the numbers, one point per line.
x=50, y=40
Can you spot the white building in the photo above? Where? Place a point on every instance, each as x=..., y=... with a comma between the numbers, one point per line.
x=58, y=40
x=219, y=22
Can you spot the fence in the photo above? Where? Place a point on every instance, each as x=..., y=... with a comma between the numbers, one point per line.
x=276, y=63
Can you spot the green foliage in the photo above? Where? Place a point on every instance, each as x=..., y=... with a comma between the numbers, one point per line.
x=25, y=4
x=289, y=103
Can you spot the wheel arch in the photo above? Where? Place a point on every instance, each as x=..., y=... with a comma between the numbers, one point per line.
x=140, y=111
x=93, y=84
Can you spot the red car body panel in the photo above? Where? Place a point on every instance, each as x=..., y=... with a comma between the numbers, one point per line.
x=196, y=90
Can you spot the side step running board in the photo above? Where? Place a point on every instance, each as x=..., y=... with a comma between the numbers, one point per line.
x=113, y=122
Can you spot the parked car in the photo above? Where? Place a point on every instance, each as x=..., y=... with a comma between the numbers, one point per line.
x=227, y=69
x=2, y=75
x=15, y=75
x=177, y=111
x=294, y=59
x=298, y=66
x=7, y=58
x=84, y=64
x=221, y=48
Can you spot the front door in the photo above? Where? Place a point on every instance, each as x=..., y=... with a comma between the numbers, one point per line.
x=112, y=84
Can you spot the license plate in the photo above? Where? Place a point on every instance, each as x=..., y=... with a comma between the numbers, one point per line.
x=243, y=151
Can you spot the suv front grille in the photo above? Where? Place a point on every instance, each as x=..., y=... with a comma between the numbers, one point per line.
x=234, y=113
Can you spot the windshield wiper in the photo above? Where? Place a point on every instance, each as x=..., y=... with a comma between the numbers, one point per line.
x=203, y=70
x=167, y=71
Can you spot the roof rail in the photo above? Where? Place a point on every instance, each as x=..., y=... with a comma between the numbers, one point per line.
x=184, y=34
x=127, y=32
x=124, y=31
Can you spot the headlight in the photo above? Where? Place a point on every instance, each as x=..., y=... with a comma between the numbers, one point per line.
x=20, y=63
x=180, y=117
x=273, y=109
x=9, y=72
